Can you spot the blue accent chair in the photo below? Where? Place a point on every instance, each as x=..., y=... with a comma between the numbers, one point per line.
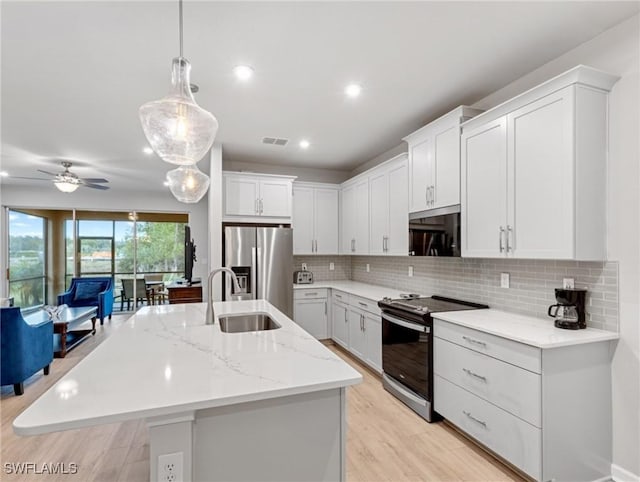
x=25, y=348
x=90, y=292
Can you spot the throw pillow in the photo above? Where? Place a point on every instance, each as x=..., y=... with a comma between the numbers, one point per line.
x=88, y=291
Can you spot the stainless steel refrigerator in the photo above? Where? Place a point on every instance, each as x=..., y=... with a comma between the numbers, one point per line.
x=262, y=258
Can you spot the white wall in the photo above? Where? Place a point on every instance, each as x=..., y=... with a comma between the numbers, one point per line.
x=47, y=196
x=617, y=51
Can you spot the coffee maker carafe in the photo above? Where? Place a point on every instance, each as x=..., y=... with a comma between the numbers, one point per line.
x=569, y=311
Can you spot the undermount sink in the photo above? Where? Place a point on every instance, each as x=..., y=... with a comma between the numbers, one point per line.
x=243, y=323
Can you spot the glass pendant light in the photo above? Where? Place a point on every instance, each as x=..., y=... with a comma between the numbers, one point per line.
x=188, y=183
x=178, y=130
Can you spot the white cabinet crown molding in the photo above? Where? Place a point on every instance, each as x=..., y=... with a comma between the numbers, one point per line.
x=258, y=174
x=581, y=74
x=457, y=114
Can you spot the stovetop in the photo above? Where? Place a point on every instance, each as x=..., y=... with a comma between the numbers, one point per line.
x=423, y=306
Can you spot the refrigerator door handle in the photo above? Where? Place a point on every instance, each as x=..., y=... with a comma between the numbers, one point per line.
x=254, y=265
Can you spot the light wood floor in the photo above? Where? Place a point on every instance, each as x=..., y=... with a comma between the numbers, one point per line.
x=385, y=442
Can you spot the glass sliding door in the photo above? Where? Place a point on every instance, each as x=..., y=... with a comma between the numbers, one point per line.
x=27, y=259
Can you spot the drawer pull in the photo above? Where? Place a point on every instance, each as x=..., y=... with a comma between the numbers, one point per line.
x=338, y=296
x=474, y=375
x=475, y=342
x=471, y=417
x=311, y=294
x=362, y=304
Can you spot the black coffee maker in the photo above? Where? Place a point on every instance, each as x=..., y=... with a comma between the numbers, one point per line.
x=569, y=311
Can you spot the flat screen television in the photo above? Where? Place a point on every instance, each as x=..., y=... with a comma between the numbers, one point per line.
x=189, y=254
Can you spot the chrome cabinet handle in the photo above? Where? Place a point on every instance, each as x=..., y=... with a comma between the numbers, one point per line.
x=433, y=195
x=500, y=236
x=426, y=195
x=362, y=304
x=474, y=375
x=261, y=206
x=325, y=308
x=315, y=293
x=509, y=231
x=256, y=207
x=353, y=245
x=471, y=417
x=345, y=315
x=338, y=296
x=475, y=342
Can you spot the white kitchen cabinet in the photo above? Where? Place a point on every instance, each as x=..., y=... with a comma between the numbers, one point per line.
x=357, y=340
x=388, y=208
x=250, y=196
x=434, y=161
x=534, y=172
x=340, y=322
x=547, y=411
x=355, y=216
x=310, y=311
x=315, y=218
x=373, y=341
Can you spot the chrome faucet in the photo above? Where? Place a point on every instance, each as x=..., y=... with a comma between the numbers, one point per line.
x=210, y=317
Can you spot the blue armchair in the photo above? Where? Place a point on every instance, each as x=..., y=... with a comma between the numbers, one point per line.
x=90, y=292
x=25, y=348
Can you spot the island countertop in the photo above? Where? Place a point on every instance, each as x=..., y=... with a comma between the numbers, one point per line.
x=165, y=360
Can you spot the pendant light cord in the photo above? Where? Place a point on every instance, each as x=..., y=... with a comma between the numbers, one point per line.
x=180, y=20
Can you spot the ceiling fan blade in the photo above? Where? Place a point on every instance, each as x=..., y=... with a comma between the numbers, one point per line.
x=31, y=178
x=95, y=186
x=94, y=179
x=47, y=172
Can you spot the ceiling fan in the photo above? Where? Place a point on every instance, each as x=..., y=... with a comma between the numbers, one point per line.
x=68, y=181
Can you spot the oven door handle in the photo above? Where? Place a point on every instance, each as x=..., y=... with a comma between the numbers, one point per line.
x=406, y=324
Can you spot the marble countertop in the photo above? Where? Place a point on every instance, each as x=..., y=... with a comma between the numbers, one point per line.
x=370, y=292
x=165, y=360
x=524, y=329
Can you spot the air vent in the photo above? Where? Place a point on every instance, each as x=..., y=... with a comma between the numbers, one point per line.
x=275, y=141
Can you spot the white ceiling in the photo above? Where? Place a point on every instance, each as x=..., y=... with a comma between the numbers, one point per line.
x=75, y=73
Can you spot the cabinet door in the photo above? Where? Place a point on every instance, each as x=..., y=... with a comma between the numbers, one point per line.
x=348, y=219
x=484, y=195
x=446, y=185
x=398, y=234
x=340, y=324
x=541, y=186
x=357, y=342
x=362, y=217
x=302, y=220
x=311, y=315
x=373, y=336
x=420, y=173
x=326, y=221
x=378, y=211
x=241, y=196
x=275, y=198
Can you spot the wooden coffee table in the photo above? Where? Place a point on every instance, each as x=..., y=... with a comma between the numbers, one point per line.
x=65, y=337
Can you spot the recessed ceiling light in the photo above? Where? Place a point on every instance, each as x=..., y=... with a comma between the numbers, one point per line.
x=353, y=90
x=243, y=72
x=4, y=173
x=304, y=144
x=147, y=150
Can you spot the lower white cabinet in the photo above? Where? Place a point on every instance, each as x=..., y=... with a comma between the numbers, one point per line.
x=310, y=311
x=357, y=327
x=546, y=411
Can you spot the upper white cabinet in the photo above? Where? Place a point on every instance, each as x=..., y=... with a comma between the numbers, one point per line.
x=434, y=161
x=315, y=218
x=355, y=216
x=388, y=208
x=534, y=172
x=248, y=195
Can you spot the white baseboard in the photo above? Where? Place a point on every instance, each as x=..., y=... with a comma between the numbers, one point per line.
x=618, y=474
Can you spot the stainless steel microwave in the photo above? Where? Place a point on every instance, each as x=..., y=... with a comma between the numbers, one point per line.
x=435, y=232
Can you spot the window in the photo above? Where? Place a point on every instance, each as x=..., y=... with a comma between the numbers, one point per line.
x=27, y=259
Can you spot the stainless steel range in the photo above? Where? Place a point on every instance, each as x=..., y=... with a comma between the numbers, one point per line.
x=407, y=341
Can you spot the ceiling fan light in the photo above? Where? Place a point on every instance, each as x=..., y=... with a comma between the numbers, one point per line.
x=177, y=128
x=188, y=184
x=66, y=186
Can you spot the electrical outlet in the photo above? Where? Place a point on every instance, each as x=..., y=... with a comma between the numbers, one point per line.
x=568, y=283
x=504, y=280
x=170, y=467
x=368, y=268
x=410, y=270
x=304, y=266
x=332, y=266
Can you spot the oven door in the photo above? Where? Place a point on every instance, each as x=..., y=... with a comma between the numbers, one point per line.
x=406, y=353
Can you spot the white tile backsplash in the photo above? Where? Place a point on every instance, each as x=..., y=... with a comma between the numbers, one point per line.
x=319, y=266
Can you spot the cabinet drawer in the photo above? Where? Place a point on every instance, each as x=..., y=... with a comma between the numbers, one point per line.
x=340, y=297
x=519, y=354
x=309, y=293
x=510, y=437
x=365, y=304
x=512, y=388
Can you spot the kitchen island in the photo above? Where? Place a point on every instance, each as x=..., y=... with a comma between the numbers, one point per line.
x=262, y=405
